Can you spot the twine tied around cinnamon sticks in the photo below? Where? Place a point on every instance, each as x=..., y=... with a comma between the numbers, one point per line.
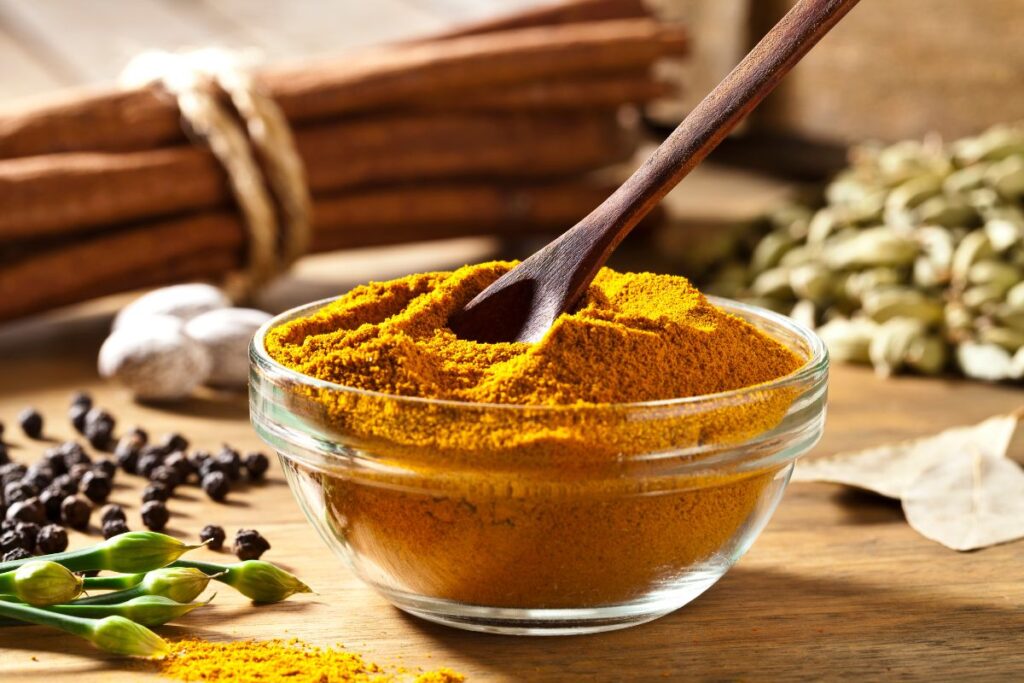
x=249, y=135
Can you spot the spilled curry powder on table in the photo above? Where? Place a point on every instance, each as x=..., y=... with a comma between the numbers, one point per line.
x=541, y=501
x=280, y=661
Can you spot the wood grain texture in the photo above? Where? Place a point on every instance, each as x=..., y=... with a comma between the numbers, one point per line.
x=524, y=303
x=837, y=587
x=903, y=69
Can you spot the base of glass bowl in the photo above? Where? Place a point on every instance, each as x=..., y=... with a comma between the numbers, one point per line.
x=556, y=622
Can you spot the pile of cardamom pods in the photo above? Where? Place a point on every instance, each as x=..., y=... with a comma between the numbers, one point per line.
x=915, y=261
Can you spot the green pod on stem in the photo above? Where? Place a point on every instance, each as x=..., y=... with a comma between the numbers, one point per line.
x=131, y=552
x=41, y=583
x=114, y=634
x=257, y=580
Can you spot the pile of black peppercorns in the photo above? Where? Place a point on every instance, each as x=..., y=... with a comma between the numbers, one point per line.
x=62, y=488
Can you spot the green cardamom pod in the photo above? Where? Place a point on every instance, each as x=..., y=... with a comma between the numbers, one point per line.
x=975, y=246
x=879, y=246
x=927, y=355
x=769, y=251
x=982, y=297
x=1015, y=295
x=886, y=304
x=773, y=284
x=989, y=362
x=890, y=347
x=1007, y=176
x=848, y=340
x=995, y=273
x=1008, y=338
x=811, y=281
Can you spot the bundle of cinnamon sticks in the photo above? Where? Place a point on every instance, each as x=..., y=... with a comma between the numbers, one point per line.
x=490, y=129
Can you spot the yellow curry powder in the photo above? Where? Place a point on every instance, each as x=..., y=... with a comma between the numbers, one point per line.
x=531, y=483
x=279, y=661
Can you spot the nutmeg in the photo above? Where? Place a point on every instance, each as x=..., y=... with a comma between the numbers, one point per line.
x=225, y=334
x=183, y=302
x=154, y=358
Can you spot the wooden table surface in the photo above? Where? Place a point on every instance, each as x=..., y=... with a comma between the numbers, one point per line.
x=836, y=587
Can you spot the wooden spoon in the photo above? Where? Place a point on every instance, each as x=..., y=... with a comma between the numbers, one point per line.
x=524, y=303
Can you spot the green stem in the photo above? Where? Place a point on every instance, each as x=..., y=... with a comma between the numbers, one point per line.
x=7, y=582
x=225, y=573
x=111, y=598
x=34, y=615
x=81, y=560
x=118, y=582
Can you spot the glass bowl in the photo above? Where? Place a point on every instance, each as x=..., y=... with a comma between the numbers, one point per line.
x=540, y=519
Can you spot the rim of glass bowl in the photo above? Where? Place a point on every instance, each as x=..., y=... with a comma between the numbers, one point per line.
x=813, y=370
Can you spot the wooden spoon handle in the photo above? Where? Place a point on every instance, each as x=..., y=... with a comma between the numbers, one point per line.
x=705, y=126
x=524, y=303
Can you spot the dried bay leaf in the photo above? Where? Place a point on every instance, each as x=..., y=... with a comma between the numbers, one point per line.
x=890, y=469
x=969, y=501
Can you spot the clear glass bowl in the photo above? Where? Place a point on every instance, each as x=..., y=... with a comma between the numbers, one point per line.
x=540, y=519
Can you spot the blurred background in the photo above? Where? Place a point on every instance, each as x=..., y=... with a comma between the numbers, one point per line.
x=898, y=84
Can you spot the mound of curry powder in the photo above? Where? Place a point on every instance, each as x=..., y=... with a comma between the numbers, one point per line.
x=532, y=482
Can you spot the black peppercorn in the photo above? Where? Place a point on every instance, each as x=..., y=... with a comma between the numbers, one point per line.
x=77, y=414
x=31, y=421
x=73, y=454
x=256, y=464
x=249, y=545
x=127, y=453
x=209, y=465
x=111, y=512
x=114, y=527
x=216, y=485
x=213, y=536
x=106, y=466
x=54, y=460
x=51, y=498
x=30, y=510
x=38, y=476
x=180, y=464
x=65, y=483
x=231, y=462
x=149, y=459
x=16, y=554
x=19, y=490
x=96, y=486
x=155, y=492
x=74, y=512
x=139, y=434
x=12, y=471
x=99, y=428
x=155, y=515
x=81, y=398
x=51, y=539
x=197, y=458
x=28, y=532
x=165, y=475
x=9, y=540
x=7, y=525
x=78, y=472
x=173, y=442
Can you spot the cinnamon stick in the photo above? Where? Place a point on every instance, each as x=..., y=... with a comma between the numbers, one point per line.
x=605, y=91
x=374, y=79
x=207, y=245
x=76, y=192
x=566, y=12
